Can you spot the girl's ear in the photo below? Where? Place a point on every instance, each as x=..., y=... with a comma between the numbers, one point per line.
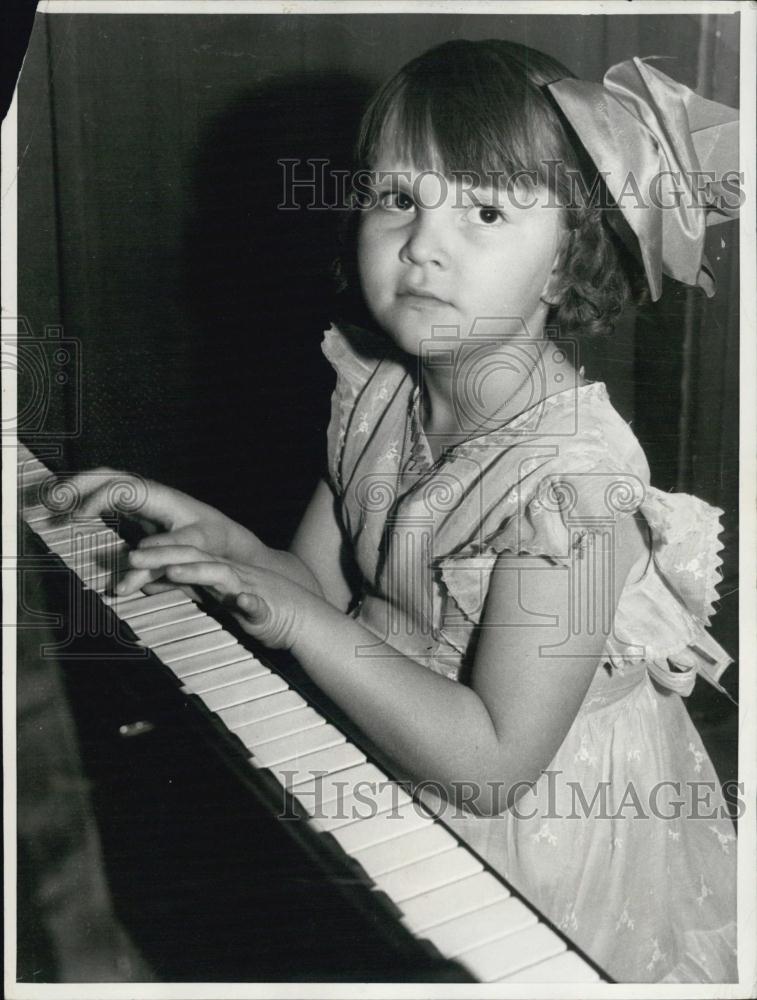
x=552, y=293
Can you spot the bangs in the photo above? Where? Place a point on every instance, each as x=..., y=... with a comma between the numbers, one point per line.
x=468, y=107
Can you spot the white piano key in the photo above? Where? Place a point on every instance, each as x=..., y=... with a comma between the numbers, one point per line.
x=264, y=708
x=33, y=513
x=258, y=733
x=405, y=850
x=196, y=645
x=165, y=616
x=102, y=583
x=55, y=534
x=100, y=579
x=232, y=673
x=73, y=553
x=157, y=637
x=431, y=873
x=376, y=829
x=373, y=798
x=567, y=967
x=210, y=660
x=137, y=604
x=505, y=956
x=34, y=475
x=84, y=557
x=96, y=568
x=29, y=461
x=431, y=908
x=319, y=792
x=76, y=523
x=249, y=690
x=69, y=540
x=489, y=923
x=305, y=769
x=293, y=748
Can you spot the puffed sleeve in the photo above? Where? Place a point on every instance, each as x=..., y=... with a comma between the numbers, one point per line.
x=354, y=355
x=663, y=612
x=551, y=513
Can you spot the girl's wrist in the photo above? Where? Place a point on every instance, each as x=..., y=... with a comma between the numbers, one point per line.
x=316, y=622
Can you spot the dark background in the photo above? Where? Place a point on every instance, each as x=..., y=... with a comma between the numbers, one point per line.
x=150, y=241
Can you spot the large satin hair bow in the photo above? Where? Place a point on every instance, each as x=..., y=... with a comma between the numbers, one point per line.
x=649, y=137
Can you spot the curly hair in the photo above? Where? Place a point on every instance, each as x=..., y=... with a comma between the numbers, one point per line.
x=483, y=107
x=598, y=277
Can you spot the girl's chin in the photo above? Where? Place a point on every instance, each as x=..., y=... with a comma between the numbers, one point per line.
x=411, y=340
x=411, y=328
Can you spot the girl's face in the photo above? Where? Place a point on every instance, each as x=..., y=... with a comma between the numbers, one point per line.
x=432, y=253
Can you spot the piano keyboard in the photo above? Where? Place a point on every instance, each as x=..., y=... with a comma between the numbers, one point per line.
x=442, y=891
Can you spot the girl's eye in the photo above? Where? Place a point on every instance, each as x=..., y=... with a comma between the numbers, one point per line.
x=485, y=215
x=396, y=201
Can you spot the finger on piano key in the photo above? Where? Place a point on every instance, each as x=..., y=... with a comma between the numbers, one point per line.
x=488, y=923
x=293, y=748
x=232, y=673
x=100, y=579
x=567, y=967
x=318, y=793
x=249, y=690
x=210, y=660
x=263, y=708
x=330, y=761
x=431, y=873
x=455, y=900
x=400, y=851
x=372, y=798
x=365, y=833
x=166, y=634
x=267, y=730
x=193, y=647
x=134, y=605
x=505, y=956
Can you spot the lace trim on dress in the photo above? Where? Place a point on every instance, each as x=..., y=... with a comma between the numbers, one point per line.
x=669, y=609
x=352, y=375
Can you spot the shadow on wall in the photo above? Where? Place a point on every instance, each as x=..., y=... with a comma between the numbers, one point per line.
x=259, y=292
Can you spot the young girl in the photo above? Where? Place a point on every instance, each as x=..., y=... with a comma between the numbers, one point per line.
x=485, y=581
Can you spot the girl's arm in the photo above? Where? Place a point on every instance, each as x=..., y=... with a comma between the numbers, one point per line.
x=319, y=547
x=317, y=557
x=527, y=683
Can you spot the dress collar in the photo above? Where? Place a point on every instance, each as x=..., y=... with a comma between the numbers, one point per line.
x=419, y=451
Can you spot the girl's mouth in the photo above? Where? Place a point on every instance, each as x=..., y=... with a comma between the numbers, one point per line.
x=421, y=299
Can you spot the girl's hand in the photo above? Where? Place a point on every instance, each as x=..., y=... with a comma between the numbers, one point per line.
x=169, y=517
x=268, y=606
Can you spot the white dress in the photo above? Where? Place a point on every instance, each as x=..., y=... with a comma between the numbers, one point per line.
x=625, y=842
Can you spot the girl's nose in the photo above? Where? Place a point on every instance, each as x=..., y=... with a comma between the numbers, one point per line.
x=425, y=243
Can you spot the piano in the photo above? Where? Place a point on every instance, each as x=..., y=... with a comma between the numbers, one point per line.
x=317, y=865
